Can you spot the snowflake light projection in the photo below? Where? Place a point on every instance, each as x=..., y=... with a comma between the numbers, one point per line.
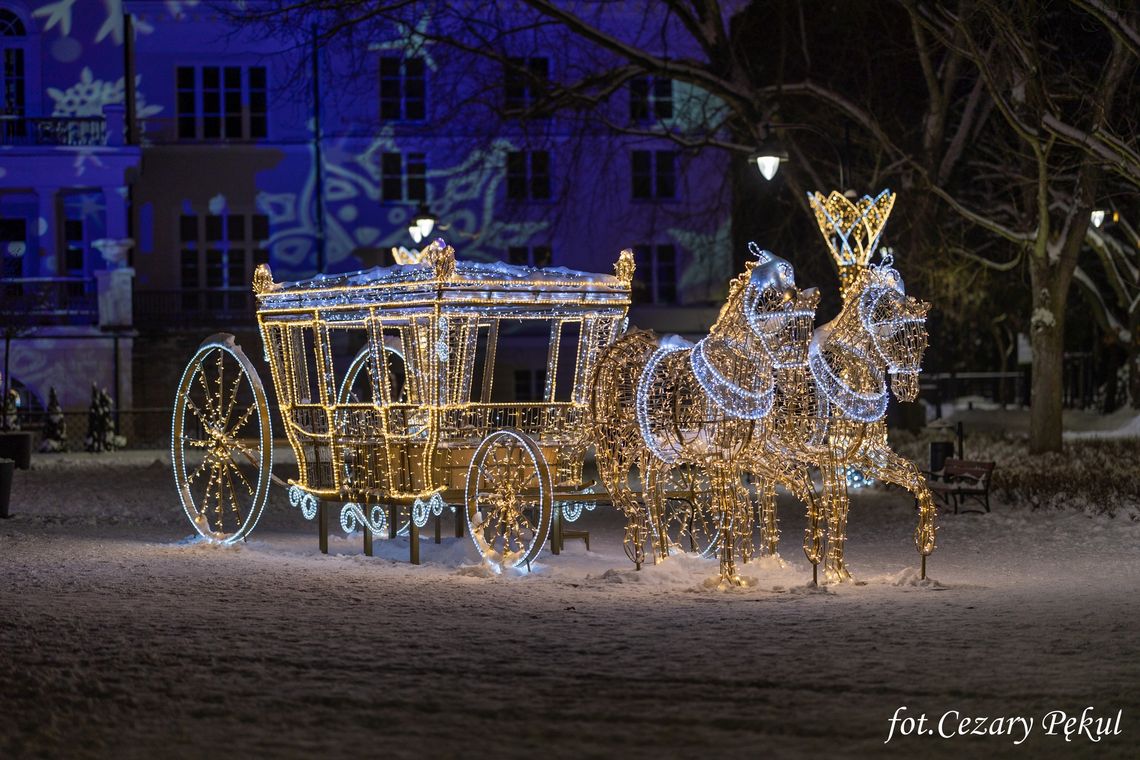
x=463, y=193
x=88, y=96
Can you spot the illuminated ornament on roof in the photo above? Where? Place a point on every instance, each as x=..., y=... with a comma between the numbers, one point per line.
x=402, y=255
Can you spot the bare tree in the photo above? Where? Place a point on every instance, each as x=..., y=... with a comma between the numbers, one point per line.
x=1029, y=108
x=1007, y=116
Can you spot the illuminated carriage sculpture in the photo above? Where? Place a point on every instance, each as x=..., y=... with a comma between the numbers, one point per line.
x=406, y=427
x=690, y=439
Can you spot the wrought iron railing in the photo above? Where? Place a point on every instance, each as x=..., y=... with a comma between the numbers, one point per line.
x=34, y=301
x=186, y=308
x=53, y=130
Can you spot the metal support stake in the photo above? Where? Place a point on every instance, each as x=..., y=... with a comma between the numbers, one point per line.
x=459, y=521
x=556, y=530
x=923, y=567
x=414, y=542
x=393, y=515
x=438, y=522
x=367, y=541
x=323, y=526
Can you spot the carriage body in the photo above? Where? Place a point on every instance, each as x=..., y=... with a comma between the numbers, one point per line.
x=400, y=421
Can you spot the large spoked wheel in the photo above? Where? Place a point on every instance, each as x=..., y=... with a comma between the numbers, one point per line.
x=510, y=499
x=680, y=505
x=221, y=441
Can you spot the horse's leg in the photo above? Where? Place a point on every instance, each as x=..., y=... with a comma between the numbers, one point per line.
x=835, y=503
x=769, y=525
x=614, y=468
x=802, y=488
x=724, y=503
x=888, y=466
x=744, y=517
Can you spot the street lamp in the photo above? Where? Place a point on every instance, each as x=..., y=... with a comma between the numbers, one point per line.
x=768, y=157
x=422, y=224
x=771, y=152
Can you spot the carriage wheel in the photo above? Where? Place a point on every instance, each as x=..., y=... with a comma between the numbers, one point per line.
x=510, y=499
x=679, y=498
x=221, y=441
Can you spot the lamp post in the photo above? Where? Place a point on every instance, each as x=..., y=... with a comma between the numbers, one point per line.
x=771, y=152
x=422, y=224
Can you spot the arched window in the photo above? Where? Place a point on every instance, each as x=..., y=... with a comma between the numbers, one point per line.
x=10, y=24
x=12, y=72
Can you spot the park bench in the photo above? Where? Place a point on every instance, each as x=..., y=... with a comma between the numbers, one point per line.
x=962, y=479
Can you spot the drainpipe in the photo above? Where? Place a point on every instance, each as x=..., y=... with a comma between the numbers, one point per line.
x=132, y=135
x=318, y=158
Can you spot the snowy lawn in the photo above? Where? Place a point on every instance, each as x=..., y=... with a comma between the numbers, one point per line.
x=122, y=637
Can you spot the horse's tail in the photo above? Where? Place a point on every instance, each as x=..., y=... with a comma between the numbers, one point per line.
x=613, y=418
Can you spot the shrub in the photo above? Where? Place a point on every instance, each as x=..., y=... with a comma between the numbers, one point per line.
x=1097, y=476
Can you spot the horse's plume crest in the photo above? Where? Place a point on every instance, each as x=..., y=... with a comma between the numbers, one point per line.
x=851, y=229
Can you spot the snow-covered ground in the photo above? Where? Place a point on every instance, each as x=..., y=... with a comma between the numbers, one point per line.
x=122, y=637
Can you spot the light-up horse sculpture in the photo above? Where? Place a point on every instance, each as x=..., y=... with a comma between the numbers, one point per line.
x=659, y=404
x=831, y=413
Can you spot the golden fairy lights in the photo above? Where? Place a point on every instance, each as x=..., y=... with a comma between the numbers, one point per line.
x=713, y=426
x=384, y=381
x=851, y=230
x=385, y=385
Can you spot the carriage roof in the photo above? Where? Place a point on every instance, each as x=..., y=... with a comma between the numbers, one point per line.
x=491, y=287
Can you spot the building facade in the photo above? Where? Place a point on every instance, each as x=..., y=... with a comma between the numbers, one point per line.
x=237, y=147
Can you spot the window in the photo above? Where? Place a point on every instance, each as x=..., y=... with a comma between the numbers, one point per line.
x=13, y=246
x=402, y=89
x=528, y=175
x=530, y=384
x=654, y=174
x=655, y=276
x=10, y=24
x=12, y=72
x=75, y=249
x=219, y=254
x=525, y=80
x=650, y=99
x=403, y=177
x=222, y=102
x=534, y=256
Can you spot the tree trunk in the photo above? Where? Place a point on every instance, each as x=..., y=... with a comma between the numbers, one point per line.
x=1047, y=337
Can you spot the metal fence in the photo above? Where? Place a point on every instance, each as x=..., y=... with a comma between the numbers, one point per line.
x=184, y=308
x=143, y=428
x=53, y=130
x=49, y=301
x=1005, y=388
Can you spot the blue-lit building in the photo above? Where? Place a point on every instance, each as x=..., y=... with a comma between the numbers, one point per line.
x=237, y=147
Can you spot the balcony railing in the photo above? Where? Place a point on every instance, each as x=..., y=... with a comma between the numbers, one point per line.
x=203, y=307
x=27, y=302
x=164, y=130
x=53, y=131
